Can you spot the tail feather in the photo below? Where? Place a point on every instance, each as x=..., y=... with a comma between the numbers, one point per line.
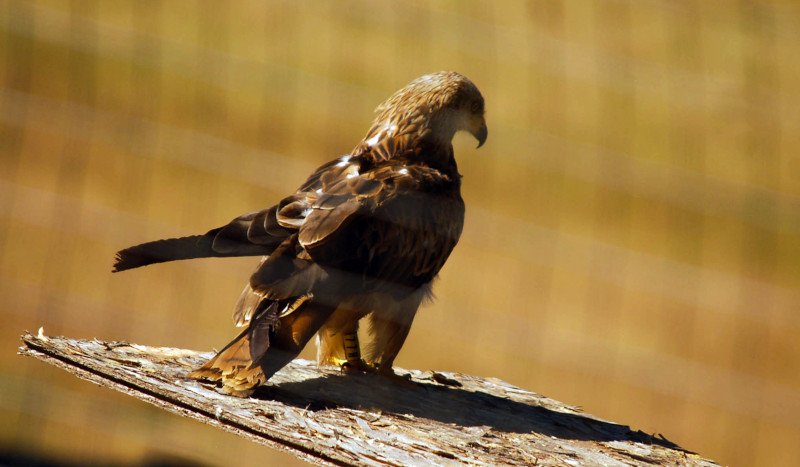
x=159, y=251
x=273, y=338
x=173, y=249
x=233, y=367
x=253, y=234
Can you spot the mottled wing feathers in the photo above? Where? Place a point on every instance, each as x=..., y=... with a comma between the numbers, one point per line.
x=326, y=219
x=331, y=206
x=359, y=223
x=265, y=229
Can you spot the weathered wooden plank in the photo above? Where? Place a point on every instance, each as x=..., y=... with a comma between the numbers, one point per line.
x=328, y=418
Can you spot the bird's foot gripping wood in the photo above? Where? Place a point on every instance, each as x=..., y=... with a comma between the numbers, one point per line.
x=360, y=367
x=354, y=367
x=354, y=364
x=342, y=349
x=387, y=372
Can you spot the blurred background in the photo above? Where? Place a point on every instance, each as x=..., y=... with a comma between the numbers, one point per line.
x=632, y=242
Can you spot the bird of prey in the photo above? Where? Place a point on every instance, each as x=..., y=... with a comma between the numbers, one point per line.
x=362, y=238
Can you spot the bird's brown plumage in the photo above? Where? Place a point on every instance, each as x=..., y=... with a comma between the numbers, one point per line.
x=364, y=236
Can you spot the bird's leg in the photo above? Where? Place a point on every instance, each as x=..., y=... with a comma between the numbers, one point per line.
x=353, y=362
x=389, y=329
x=352, y=351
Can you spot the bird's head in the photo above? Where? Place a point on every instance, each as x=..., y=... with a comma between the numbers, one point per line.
x=439, y=105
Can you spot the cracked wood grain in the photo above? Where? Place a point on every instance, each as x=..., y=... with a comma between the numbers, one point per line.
x=327, y=418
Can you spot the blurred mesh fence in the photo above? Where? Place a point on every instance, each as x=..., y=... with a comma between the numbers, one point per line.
x=632, y=242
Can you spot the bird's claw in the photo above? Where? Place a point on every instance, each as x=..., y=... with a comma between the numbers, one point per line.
x=357, y=367
x=362, y=367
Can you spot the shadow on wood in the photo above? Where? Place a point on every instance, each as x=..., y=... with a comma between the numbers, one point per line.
x=328, y=418
x=459, y=406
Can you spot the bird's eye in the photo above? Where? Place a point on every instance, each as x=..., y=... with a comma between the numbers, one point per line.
x=476, y=107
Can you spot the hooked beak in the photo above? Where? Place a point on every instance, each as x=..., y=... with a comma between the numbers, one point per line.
x=481, y=133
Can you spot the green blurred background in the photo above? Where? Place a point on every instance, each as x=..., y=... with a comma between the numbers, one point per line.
x=632, y=242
